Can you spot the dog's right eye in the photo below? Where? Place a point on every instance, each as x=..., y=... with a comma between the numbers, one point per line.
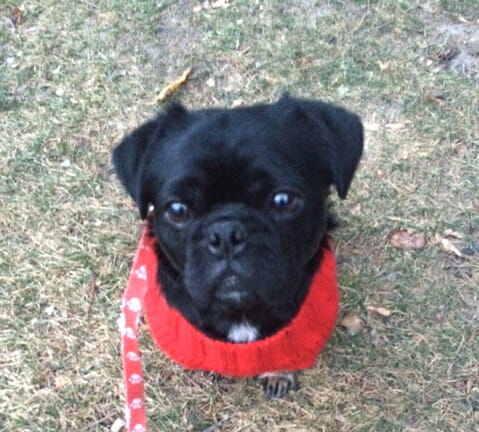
x=285, y=202
x=178, y=212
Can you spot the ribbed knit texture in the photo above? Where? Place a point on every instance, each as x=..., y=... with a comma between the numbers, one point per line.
x=294, y=347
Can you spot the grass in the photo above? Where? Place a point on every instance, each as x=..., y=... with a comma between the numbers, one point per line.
x=76, y=76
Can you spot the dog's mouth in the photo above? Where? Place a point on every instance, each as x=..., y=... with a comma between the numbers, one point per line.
x=232, y=293
x=230, y=290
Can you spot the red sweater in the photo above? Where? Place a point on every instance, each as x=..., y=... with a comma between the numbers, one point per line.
x=294, y=347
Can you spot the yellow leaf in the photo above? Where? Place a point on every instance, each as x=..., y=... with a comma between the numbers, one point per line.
x=173, y=87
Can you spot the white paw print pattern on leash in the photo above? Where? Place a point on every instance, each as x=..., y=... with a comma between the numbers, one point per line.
x=129, y=333
x=134, y=304
x=140, y=273
x=133, y=356
x=139, y=428
x=136, y=403
x=135, y=379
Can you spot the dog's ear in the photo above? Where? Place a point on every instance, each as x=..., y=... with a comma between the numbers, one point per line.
x=338, y=133
x=130, y=157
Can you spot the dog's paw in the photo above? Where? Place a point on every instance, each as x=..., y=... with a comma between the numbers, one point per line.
x=276, y=385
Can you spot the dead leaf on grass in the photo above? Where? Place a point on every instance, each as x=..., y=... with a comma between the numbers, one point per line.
x=18, y=16
x=352, y=323
x=448, y=246
x=379, y=310
x=436, y=96
x=406, y=240
x=453, y=234
x=173, y=87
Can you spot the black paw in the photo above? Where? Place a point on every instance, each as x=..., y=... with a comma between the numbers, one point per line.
x=276, y=385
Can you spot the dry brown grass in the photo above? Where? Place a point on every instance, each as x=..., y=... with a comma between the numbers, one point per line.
x=76, y=76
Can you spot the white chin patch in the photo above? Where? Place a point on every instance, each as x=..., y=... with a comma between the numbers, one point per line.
x=243, y=332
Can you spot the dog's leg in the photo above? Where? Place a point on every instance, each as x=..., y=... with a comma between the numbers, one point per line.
x=276, y=385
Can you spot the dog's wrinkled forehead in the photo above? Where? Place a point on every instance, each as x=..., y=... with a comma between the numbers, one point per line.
x=231, y=157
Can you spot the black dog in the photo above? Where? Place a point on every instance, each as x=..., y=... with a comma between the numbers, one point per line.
x=240, y=199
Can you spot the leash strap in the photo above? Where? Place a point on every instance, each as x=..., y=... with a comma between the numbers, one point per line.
x=131, y=311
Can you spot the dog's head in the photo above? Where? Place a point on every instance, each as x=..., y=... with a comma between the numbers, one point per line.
x=240, y=204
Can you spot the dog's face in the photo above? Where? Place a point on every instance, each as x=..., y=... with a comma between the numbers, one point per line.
x=240, y=205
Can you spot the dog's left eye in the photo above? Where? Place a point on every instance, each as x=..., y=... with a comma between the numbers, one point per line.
x=285, y=202
x=178, y=212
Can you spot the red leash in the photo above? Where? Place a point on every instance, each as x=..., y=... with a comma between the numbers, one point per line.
x=131, y=307
x=294, y=347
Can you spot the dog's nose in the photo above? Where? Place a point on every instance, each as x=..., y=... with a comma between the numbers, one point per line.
x=226, y=238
